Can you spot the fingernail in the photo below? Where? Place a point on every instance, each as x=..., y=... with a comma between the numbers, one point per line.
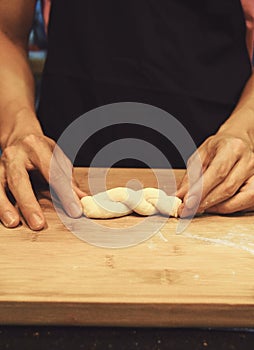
x=74, y=210
x=36, y=221
x=9, y=219
x=191, y=202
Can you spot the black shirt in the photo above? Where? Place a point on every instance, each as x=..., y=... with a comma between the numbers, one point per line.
x=186, y=57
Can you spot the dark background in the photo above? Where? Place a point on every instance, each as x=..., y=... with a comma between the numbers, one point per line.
x=63, y=338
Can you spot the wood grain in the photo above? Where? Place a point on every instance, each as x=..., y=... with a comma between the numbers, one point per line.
x=202, y=277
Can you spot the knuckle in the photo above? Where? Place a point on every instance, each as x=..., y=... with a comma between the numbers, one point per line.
x=31, y=140
x=190, y=161
x=210, y=143
x=220, y=172
x=209, y=140
x=195, y=159
x=222, y=169
x=238, y=142
x=238, y=146
x=9, y=153
x=14, y=175
x=229, y=189
x=251, y=161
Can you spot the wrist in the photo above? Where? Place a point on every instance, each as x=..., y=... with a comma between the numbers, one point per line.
x=240, y=125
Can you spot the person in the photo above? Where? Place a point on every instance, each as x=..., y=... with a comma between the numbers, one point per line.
x=188, y=58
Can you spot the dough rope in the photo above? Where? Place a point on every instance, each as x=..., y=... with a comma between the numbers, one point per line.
x=122, y=201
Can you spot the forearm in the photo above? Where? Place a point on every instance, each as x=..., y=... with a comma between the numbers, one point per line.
x=17, y=113
x=241, y=121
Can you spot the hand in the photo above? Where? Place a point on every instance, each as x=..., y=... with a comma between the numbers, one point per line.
x=28, y=153
x=225, y=177
x=243, y=200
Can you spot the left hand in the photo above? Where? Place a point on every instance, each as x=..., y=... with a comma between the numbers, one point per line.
x=226, y=178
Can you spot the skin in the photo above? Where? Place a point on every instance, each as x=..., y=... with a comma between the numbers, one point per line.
x=25, y=147
x=227, y=157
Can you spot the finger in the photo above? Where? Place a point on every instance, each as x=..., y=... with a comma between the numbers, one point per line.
x=60, y=179
x=195, y=168
x=242, y=201
x=68, y=196
x=77, y=189
x=79, y=192
x=228, y=188
x=226, y=155
x=57, y=170
x=8, y=213
x=67, y=168
x=215, y=174
x=183, y=188
x=20, y=186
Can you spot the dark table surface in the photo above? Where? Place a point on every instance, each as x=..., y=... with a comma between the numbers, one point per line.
x=91, y=338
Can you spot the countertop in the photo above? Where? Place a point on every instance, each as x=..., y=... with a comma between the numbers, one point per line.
x=202, y=277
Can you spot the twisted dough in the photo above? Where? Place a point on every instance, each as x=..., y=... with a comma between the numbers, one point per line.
x=122, y=201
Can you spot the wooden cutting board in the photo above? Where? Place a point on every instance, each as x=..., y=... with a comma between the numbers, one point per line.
x=201, y=277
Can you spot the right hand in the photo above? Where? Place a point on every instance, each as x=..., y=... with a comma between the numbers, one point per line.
x=34, y=152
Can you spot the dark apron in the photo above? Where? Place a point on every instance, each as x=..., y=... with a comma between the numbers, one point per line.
x=186, y=57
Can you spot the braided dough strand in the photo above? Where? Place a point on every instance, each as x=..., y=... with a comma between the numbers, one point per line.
x=121, y=201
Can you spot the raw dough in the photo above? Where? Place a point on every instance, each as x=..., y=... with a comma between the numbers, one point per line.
x=122, y=201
